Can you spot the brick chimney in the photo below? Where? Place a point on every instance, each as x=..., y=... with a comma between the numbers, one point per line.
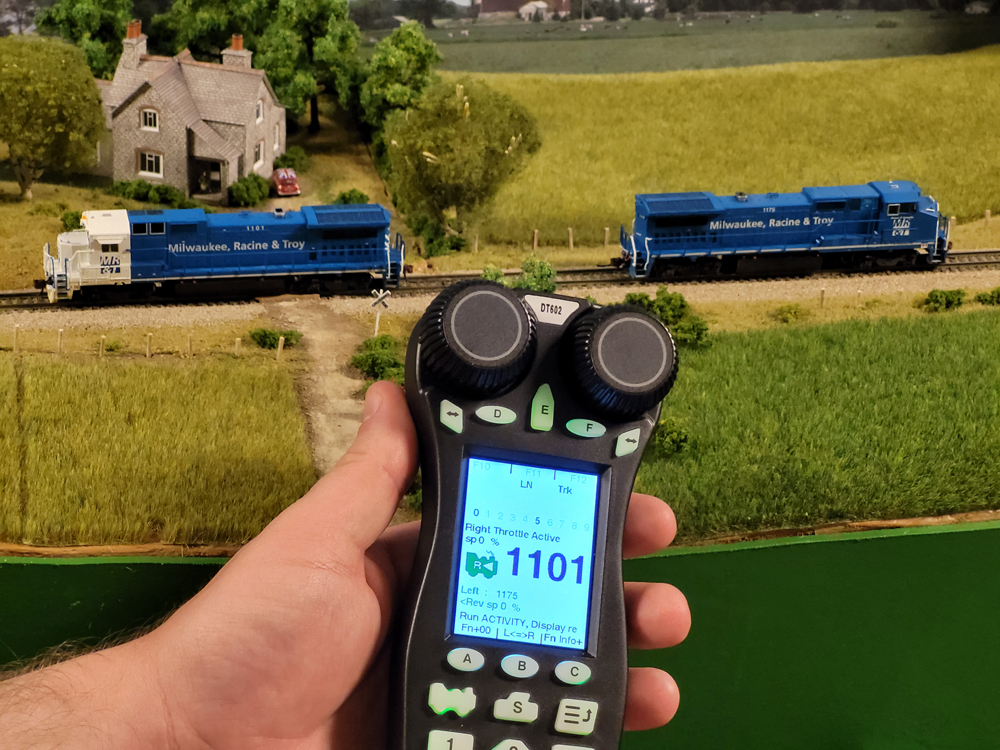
x=236, y=56
x=133, y=46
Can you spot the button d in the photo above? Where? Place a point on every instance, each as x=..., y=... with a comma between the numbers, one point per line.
x=572, y=672
x=451, y=416
x=627, y=443
x=441, y=740
x=465, y=659
x=585, y=428
x=519, y=666
x=496, y=414
x=543, y=408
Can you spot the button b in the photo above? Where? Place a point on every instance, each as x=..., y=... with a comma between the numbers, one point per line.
x=519, y=667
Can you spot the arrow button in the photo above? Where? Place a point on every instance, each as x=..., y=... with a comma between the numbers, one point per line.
x=451, y=416
x=627, y=442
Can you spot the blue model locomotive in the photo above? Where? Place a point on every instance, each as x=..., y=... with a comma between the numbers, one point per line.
x=319, y=248
x=878, y=225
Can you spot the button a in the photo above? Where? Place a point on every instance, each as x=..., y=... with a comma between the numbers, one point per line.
x=496, y=414
x=627, y=443
x=572, y=672
x=576, y=717
x=465, y=659
x=543, y=408
x=585, y=428
x=451, y=416
x=460, y=700
x=519, y=667
x=516, y=707
x=441, y=740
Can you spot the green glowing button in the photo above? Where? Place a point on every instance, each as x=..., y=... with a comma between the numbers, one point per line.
x=451, y=416
x=585, y=428
x=543, y=407
x=460, y=700
x=627, y=443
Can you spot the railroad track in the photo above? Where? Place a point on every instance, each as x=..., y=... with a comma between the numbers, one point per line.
x=958, y=259
x=22, y=298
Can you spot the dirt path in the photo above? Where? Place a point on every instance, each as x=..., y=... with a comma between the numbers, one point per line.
x=328, y=389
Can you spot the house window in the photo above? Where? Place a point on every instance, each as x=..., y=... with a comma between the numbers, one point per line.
x=277, y=137
x=150, y=120
x=151, y=164
x=260, y=110
x=258, y=154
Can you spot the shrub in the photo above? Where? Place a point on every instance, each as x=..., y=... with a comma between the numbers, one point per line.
x=669, y=437
x=71, y=220
x=267, y=338
x=381, y=358
x=886, y=23
x=691, y=331
x=295, y=158
x=493, y=273
x=248, y=191
x=140, y=190
x=939, y=300
x=788, y=313
x=675, y=312
x=537, y=275
x=445, y=245
x=352, y=196
x=113, y=346
x=989, y=298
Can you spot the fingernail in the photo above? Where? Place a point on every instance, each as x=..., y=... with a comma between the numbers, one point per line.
x=372, y=403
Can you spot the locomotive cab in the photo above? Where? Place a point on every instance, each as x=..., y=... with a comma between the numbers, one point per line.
x=97, y=254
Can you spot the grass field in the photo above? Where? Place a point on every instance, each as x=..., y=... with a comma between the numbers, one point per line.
x=852, y=420
x=627, y=46
x=781, y=127
x=128, y=451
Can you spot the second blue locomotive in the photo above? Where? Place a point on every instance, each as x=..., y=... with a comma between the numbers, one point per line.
x=875, y=226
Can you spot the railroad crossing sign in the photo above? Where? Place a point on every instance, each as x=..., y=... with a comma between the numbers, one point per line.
x=381, y=298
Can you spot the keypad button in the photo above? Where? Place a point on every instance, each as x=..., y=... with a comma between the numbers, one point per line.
x=570, y=747
x=465, y=659
x=510, y=745
x=451, y=416
x=496, y=414
x=543, y=408
x=572, y=672
x=627, y=443
x=516, y=707
x=519, y=666
x=585, y=428
x=441, y=740
x=460, y=700
x=576, y=717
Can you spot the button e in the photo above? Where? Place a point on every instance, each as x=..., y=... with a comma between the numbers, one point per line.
x=543, y=408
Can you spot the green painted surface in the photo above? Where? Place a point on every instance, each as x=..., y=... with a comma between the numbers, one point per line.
x=875, y=641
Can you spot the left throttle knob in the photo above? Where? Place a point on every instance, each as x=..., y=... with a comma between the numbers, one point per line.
x=477, y=338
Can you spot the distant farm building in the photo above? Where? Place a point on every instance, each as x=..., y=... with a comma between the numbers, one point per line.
x=489, y=8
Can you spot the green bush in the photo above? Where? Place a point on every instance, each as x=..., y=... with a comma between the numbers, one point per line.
x=294, y=158
x=788, y=313
x=690, y=331
x=537, y=275
x=669, y=437
x=989, y=298
x=71, y=220
x=352, y=196
x=446, y=244
x=675, y=312
x=939, y=300
x=381, y=358
x=140, y=190
x=493, y=273
x=886, y=23
x=267, y=338
x=248, y=191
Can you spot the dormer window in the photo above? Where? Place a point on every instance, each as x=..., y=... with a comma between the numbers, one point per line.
x=260, y=110
x=150, y=120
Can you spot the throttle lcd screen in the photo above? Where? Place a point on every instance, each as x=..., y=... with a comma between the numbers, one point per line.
x=526, y=555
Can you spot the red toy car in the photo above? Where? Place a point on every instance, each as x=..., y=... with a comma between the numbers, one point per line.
x=285, y=182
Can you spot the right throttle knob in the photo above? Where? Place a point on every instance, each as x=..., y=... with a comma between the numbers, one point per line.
x=622, y=360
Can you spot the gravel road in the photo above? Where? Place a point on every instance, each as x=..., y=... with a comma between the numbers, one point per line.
x=144, y=316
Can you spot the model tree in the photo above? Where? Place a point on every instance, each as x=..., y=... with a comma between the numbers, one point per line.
x=206, y=27
x=400, y=69
x=453, y=151
x=96, y=26
x=50, y=110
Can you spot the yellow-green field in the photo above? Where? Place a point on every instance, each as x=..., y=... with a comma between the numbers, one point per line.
x=126, y=450
x=780, y=127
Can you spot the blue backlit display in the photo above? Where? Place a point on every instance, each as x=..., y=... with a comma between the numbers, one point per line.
x=526, y=555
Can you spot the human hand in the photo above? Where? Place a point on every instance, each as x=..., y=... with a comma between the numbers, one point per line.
x=285, y=647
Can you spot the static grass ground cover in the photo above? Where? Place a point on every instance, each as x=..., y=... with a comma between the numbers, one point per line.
x=853, y=420
x=781, y=127
x=627, y=46
x=127, y=451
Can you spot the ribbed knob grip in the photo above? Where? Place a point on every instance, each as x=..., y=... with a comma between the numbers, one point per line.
x=477, y=338
x=622, y=360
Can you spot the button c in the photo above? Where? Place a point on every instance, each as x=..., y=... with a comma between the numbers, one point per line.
x=572, y=672
x=465, y=659
x=519, y=667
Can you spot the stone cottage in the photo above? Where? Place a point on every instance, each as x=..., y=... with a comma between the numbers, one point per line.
x=194, y=125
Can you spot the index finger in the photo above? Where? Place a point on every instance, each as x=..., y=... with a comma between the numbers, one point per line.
x=649, y=526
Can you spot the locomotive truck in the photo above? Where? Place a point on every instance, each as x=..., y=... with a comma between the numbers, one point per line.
x=851, y=227
x=173, y=251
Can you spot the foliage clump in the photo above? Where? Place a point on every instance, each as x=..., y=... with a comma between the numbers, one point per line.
x=140, y=190
x=349, y=197
x=71, y=220
x=675, y=312
x=267, y=338
x=95, y=26
x=249, y=191
x=381, y=358
x=789, y=313
x=536, y=274
x=991, y=297
x=294, y=158
x=401, y=67
x=939, y=300
x=669, y=437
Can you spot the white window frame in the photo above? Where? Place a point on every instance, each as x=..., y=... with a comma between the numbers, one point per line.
x=892, y=210
x=155, y=127
x=151, y=155
x=277, y=136
x=258, y=153
x=260, y=110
